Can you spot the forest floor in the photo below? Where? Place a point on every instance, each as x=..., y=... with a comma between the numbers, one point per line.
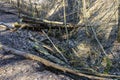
x=15, y=67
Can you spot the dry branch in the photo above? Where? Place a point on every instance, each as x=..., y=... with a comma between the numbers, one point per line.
x=47, y=63
x=46, y=24
x=95, y=35
x=39, y=48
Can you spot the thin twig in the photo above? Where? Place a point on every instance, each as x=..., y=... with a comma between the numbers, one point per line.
x=98, y=41
x=65, y=22
x=55, y=46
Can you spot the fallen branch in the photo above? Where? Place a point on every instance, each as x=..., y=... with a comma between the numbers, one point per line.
x=6, y=25
x=47, y=63
x=46, y=24
x=93, y=72
x=46, y=50
x=38, y=20
x=39, y=48
x=55, y=47
x=95, y=35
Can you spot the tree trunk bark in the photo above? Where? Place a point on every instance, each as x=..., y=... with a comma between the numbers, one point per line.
x=118, y=36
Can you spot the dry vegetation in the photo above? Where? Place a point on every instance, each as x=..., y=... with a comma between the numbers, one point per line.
x=80, y=35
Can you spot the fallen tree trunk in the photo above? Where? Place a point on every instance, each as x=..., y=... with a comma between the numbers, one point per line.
x=47, y=63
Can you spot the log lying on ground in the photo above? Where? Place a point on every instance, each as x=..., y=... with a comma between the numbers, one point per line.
x=45, y=24
x=47, y=63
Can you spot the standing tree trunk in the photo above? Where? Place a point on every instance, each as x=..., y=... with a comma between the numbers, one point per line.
x=118, y=36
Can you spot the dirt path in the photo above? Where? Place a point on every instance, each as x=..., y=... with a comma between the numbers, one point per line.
x=14, y=67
